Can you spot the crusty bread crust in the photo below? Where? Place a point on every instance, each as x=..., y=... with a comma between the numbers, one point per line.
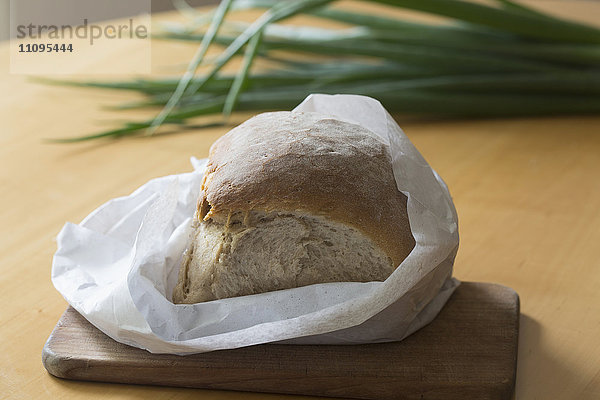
x=285, y=161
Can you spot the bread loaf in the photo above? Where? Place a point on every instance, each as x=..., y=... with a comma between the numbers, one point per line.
x=293, y=199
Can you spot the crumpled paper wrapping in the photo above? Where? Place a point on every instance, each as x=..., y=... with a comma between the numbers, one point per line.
x=119, y=266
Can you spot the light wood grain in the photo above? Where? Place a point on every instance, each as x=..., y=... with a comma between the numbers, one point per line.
x=468, y=351
x=527, y=193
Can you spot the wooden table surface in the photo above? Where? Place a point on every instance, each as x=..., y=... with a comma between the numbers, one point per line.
x=527, y=193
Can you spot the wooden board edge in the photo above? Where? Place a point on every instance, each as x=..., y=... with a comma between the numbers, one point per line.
x=52, y=362
x=73, y=368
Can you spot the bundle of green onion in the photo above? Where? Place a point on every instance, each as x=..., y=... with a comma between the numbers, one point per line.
x=502, y=59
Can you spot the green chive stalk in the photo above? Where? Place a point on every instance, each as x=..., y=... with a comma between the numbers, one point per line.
x=497, y=60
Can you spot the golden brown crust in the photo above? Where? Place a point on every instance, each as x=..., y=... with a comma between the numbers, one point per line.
x=308, y=162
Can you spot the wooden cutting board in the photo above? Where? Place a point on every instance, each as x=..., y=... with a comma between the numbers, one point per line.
x=468, y=352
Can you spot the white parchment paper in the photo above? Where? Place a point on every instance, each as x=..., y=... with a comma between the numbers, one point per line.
x=119, y=266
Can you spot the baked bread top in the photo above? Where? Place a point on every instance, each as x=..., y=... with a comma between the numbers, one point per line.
x=305, y=162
